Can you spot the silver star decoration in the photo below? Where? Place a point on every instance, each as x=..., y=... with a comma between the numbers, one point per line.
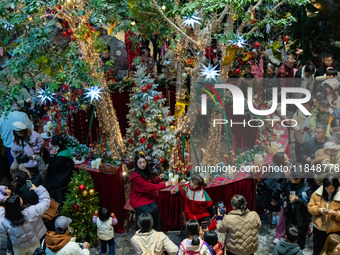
x=239, y=41
x=45, y=95
x=191, y=21
x=210, y=73
x=94, y=92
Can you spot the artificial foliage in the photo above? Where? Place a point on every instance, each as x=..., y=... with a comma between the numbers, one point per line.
x=80, y=205
x=150, y=130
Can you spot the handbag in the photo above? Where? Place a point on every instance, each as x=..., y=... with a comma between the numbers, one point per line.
x=107, y=168
x=52, y=210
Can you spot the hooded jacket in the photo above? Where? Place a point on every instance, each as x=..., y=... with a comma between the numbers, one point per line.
x=241, y=230
x=285, y=248
x=148, y=239
x=143, y=192
x=63, y=245
x=325, y=222
x=195, y=202
x=203, y=248
x=59, y=174
x=33, y=229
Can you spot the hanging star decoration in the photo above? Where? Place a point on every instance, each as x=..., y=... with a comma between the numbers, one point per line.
x=239, y=41
x=45, y=95
x=94, y=92
x=210, y=73
x=191, y=21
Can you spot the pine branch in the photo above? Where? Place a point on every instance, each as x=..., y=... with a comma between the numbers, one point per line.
x=173, y=24
x=274, y=9
x=250, y=10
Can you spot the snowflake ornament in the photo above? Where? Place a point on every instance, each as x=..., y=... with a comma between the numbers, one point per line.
x=45, y=96
x=191, y=21
x=239, y=41
x=94, y=92
x=210, y=73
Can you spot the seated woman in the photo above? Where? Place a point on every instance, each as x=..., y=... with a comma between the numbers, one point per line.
x=59, y=170
x=148, y=239
x=24, y=226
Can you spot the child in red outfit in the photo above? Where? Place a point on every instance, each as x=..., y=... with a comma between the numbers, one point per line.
x=196, y=201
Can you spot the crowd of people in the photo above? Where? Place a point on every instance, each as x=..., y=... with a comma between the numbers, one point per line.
x=306, y=203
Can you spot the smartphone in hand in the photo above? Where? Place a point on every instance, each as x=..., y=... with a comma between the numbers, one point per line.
x=29, y=184
x=221, y=208
x=204, y=224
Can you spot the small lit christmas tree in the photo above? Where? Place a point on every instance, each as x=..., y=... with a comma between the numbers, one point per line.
x=80, y=205
x=151, y=128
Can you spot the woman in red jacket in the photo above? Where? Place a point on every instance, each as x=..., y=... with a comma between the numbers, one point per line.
x=144, y=187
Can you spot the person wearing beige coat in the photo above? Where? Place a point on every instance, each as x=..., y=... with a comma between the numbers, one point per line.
x=324, y=206
x=241, y=227
x=147, y=239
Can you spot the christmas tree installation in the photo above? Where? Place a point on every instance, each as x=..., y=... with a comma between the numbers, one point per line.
x=151, y=127
x=81, y=202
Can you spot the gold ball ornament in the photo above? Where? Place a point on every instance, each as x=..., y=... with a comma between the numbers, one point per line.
x=172, y=128
x=91, y=192
x=83, y=107
x=85, y=193
x=169, y=151
x=148, y=122
x=137, y=90
x=184, y=75
x=160, y=116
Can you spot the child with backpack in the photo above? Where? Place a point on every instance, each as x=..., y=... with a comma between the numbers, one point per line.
x=148, y=241
x=196, y=201
x=105, y=229
x=211, y=238
x=194, y=245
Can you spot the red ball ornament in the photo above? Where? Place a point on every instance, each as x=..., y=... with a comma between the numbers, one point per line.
x=59, y=7
x=161, y=160
x=153, y=136
x=135, y=85
x=66, y=87
x=72, y=38
x=130, y=141
x=162, y=96
x=69, y=31
x=64, y=34
x=286, y=38
x=79, y=92
x=257, y=45
x=157, y=166
x=239, y=59
x=76, y=207
x=137, y=132
x=144, y=89
x=149, y=86
x=239, y=66
x=145, y=106
x=156, y=97
x=64, y=100
x=236, y=46
x=143, y=121
x=253, y=21
x=52, y=31
x=82, y=187
x=72, y=108
x=149, y=146
x=163, y=128
x=169, y=113
x=52, y=11
x=142, y=140
x=237, y=71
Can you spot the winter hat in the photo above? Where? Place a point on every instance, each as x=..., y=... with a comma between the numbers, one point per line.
x=19, y=126
x=333, y=83
x=329, y=146
x=62, y=222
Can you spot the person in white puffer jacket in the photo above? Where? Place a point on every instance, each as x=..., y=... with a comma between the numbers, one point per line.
x=105, y=230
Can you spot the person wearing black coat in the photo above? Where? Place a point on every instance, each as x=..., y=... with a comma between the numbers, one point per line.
x=19, y=184
x=59, y=170
x=296, y=194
